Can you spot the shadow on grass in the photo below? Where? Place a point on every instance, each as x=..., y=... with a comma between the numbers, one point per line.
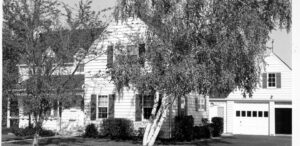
x=206, y=142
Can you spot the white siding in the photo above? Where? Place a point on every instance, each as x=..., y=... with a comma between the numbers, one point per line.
x=273, y=64
x=97, y=80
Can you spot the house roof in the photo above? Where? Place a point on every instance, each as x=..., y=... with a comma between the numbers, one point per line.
x=69, y=82
x=282, y=61
x=56, y=40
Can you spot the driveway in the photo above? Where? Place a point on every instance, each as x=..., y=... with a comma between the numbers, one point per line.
x=237, y=140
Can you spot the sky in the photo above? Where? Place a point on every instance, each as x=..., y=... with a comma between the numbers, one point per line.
x=282, y=40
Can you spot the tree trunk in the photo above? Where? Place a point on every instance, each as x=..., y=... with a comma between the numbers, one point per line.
x=154, y=126
x=35, y=140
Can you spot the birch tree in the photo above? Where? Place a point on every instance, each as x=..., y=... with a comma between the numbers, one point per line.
x=198, y=46
x=48, y=36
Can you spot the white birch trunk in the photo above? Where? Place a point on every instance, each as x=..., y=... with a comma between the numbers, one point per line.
x=154, y=126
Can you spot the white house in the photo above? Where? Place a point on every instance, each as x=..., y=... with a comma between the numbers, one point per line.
x=101, y=98
x=268, y=111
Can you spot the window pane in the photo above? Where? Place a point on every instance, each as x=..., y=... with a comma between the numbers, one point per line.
x=248, y=113
x=243, y=113
x=102, y=112
x=260, y=114
x=238, y=113
x=254, y=114
x=148, y=101
x=271, y=80
x=266, y=114
x=147, y=113
x=102, y=101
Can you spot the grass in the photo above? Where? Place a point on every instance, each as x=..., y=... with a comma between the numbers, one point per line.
x=237, y=140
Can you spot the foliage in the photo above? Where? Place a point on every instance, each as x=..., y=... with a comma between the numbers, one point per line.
x=184, y=128
x=186, y=38
x=30, y=131
x=217, y=124
x=201, y=132
x=118, y=128
x=35, y=37
x=91, y=131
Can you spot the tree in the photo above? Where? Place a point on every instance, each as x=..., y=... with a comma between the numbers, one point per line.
x=46, y=44
x=198, y=46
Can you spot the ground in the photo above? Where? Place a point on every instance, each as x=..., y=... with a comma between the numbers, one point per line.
x=237, y=140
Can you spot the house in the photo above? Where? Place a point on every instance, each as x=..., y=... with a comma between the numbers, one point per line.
x=69, y=72
x=268, y=111
x=16, y=112
x=101, y=97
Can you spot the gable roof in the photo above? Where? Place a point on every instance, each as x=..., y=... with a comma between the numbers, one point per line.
x=282, y=61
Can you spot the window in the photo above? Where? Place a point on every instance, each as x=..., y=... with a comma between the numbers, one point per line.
x=254, y=114
x=148, y=102
x=202, y=102
x=248, y=113
x=238, y=113
x=243, y=113
x=102, y=106
x=271, y=80
x=266, y=113
x=260, y=114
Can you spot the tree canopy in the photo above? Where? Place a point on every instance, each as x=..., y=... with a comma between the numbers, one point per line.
x=203, y=46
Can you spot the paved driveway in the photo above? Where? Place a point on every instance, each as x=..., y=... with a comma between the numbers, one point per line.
x=249, y=140
x=237, y=140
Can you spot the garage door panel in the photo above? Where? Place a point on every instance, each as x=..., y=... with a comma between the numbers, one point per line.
x=251, y=119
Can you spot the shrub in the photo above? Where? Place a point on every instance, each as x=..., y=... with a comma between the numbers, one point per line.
x=184, y=128
x=118, y=128
x=91, y=131
x=217, y=124
x=202, y=131
x=30, y=131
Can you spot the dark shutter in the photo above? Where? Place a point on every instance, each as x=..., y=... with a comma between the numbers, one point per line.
x=196, y=103
x=111, y=110
x=138, y=107
x=264, y=83
x=141, y=54
x=93, y=107
x=110, y=56
x=278, y=80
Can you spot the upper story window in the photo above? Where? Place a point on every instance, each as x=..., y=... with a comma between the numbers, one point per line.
x=200, y=103
x=271, y=80
x=121, y=52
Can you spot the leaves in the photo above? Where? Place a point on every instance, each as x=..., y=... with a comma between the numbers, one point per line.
x=203, y=46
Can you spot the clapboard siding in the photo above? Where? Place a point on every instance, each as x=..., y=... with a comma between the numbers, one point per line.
x=123, y=33
x=273, y=65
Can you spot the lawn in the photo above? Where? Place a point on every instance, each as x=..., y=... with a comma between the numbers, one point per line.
x=237, y=140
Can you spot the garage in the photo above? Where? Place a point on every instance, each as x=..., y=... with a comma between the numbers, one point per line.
x=251, y=118
x=283, y=120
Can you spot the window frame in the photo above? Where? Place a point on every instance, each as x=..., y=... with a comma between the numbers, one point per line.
x=98, y=106
x=275, y=80
x=143, y=106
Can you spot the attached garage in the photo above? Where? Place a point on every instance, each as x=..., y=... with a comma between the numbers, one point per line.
x=251, y=118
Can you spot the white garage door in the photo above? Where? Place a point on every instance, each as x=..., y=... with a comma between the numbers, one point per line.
x=251, y=118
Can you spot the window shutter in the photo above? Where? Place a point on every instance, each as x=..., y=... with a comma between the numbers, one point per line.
x=93, y=107
x=196, y=104
x=141, y=54
x=278, y=80
x=138, y=107
x=264, y=76
x=111, y=104
x=110, y=56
